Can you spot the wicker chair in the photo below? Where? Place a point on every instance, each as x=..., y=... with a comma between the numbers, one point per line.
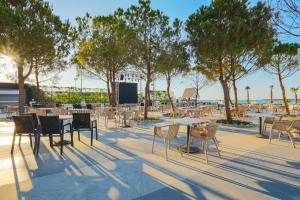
x=268, y=121
x=167, y=134
x=52, y=126
x=82, y=121
x=110, y=113
x=282, y=126
x=23, y=126
x=204, y=133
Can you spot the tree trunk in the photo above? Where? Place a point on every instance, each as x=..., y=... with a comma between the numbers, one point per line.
x=147, y=98
x=296, y=98
x=271, y=96
x=236, y=105
x=226, y=100
x=108, y=88
x=168, y=92
x=283, y=95
x=38, y=89
x=248, y=98
x=21, y=88
x=113, y=94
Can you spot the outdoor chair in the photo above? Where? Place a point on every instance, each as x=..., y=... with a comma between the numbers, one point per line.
x=295, y=126
x=34, y=119
x=83, y=122
x=268, y=121
x=51, y=126
x=282, y=126
x=167, y=132
x=23, y=126
x=89, y=106
x=110, y=113
x=77, y=106
x=204, y=133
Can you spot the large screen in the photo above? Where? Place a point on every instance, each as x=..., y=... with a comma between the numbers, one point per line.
x=128, y=93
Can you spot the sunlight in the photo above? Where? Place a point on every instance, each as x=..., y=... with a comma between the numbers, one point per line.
x=7, y=61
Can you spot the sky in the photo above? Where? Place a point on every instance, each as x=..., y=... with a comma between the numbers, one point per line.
x=259, y=82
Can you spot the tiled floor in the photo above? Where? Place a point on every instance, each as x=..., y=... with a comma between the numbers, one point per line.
x=120, y=165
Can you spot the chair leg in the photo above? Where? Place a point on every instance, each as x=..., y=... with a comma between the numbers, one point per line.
x=13, y=143
x=178, y=144
x=20, y=138
x=38, y=144
x=78, y=134
x=96, y=128
x=205, y=151
x=30, y=140
x=166, y=149
x=291, y=138
x=214, y=139
x=61, y=143
x=270, y=136
x=279, y=135
x=51, y=140
x=71, y=132
x=189, y=144
x=92, y=133
x=153, y=143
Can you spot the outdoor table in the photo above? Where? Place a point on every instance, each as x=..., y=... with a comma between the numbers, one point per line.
x=188, y=122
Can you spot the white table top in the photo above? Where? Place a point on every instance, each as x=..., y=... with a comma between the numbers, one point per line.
x=188, y=121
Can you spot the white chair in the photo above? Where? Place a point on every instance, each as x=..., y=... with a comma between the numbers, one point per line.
x=167, y=132
x=204, y=133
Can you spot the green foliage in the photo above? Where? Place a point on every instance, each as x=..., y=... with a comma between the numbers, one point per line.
x=75, y=97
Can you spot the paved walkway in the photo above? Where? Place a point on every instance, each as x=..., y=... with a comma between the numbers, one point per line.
x=120, y=165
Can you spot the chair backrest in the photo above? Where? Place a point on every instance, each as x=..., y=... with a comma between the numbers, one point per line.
x=281, y=125
x=81, y=120
x=50, y=125
x=173, y=130
x=77, y=106
x=34, y=118
x=23, y=124
x=269, y=120
x=295, y=124
x=208, y=130
x=89, y=106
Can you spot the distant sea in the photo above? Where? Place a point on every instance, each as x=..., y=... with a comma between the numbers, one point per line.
x=258, y=101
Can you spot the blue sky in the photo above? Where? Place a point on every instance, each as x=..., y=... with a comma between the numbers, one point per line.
x=259, y=82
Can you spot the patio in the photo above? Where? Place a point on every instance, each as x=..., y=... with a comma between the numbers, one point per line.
x=120, y=165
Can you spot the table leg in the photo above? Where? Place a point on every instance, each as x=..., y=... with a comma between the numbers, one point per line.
x=184, y=148
x=260, y=134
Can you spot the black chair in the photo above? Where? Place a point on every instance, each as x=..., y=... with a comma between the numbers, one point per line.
x=89, y=106
x=82, y=121
x=24, y=126
x=34, y=119
x=52, y=126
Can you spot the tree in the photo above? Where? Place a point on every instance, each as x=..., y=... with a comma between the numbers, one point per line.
x=287, y=16
x=221, y=37
x=198, y=82
x=173, y=58
x=271, y=93
x=105, y=51
x=283, y=64
x=150, y=26
x=32, y=35
x=247, y=88
x=294, y=90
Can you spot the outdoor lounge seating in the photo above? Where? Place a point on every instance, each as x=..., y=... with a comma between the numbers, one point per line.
x=23, y=126
x=51, y=126
x=167, y=134
x=268, y=121
x=83, y=122
x=204, y=133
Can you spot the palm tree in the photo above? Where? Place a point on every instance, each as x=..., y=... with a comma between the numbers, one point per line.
x=247, y=88
x=294, y=90
x=271, y=93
